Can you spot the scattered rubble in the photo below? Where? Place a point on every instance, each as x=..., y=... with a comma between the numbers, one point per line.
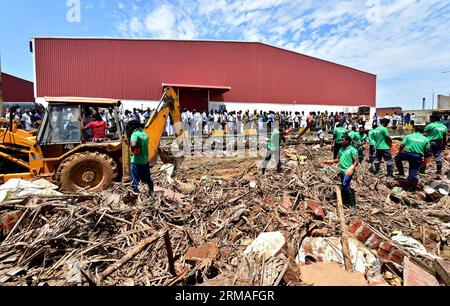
x=221, y=223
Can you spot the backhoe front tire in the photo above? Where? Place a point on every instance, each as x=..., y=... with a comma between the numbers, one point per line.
x=90, y=171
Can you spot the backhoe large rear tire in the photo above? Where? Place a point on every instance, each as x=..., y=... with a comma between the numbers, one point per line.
x=90, y=171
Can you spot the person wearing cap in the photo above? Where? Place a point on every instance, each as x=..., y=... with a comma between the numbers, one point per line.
x=437, y=133
x=383, y=144
x=139, y=166
x=413, y=149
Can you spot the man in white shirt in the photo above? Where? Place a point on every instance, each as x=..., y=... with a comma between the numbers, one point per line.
x=303, y=121
x=26, y=120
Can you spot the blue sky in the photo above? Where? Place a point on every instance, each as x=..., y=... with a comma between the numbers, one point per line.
x=405, y=42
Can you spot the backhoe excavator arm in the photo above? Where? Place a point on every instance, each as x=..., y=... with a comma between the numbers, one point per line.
x=168, y=106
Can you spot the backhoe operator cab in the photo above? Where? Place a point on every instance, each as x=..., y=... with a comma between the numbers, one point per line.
x=76, y=161
x=64, y=152
x=61, y=129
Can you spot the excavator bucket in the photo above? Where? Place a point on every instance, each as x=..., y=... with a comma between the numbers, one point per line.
x=168, y=158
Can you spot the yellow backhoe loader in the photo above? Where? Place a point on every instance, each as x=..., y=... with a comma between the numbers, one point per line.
x=61, y=151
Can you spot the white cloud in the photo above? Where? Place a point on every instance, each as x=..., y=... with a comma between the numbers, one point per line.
x=404, y=42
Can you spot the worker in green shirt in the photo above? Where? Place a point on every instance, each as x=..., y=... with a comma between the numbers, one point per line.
x=362, y=142
x=383, y=144
x=413, y=149
x=356, y=138
x=338, y=133
x=348, y=162
x=140, y=167
x=273, y=148
x=372, y=144
x=437, y=133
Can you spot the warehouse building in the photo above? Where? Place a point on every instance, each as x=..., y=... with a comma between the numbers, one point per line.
x=206, y=75
x=15, y=89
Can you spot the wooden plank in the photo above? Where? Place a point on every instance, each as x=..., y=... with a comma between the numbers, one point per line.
x=442, y=268
x=344, y=237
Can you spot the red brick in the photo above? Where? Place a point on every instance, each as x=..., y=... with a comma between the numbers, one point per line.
x=206, y=251
x=8, y=221
x=374, y=242
x=386, y=246
x=383, y=254
x=364, y=234
x=355, y=226
x=286, y=203
x=396, y=256
x=313, y=207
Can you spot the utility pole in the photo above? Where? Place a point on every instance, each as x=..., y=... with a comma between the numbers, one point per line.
x=1, y=88
x=432, y=105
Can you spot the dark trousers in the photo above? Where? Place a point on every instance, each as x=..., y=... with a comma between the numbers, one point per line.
x=436, y=150
x=372, y=153
x=361, y=154
x=268, y=157
x=386, y=155
x=348, y=192
x=415, y=162
x=141, y=173
x=337, y=147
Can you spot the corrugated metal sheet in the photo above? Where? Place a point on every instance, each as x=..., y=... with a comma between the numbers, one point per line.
x=136, y=69
x=16, y=89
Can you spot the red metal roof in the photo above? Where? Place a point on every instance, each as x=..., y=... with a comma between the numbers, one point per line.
x=135, y=70
x=16, y=89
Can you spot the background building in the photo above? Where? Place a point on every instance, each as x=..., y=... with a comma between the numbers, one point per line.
x=16, y=89
x=206, y=74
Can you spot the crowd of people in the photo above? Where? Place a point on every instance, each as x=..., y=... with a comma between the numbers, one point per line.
x=416, y=149
x=26, y=120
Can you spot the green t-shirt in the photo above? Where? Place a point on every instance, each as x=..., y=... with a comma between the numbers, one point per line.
x=436, y=131
x=141, y=139
x=379, y=135
x=363, y=137
x=346, y=158
x=339, y=133
x=416, y=143
x=356, y=139
x=274, y=142
x=371, y=139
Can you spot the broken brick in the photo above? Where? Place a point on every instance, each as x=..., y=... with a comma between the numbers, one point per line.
x=8, y=221
x=286, y=203
x=355, y=226
x=386, y=246
x=311, y=206
x=207, y=251
x=364, y=234
x=374, y=242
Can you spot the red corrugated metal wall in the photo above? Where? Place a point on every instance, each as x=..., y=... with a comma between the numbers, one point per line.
x=16, y=89
x=135, y=70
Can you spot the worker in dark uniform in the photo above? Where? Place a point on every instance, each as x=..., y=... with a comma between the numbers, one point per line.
x=437, y=133
x=413, y=149
x=383, y=144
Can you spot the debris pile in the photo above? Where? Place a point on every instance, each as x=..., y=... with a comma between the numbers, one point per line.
x=221, y=223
